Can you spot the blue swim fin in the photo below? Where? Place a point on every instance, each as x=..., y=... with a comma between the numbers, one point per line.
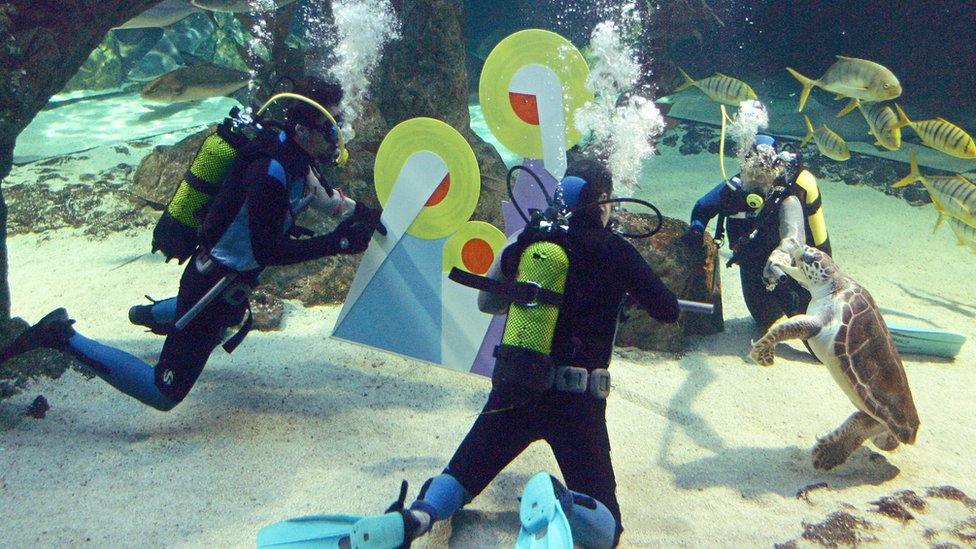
x=544, y=524
x=378, y=532
x=320, y=531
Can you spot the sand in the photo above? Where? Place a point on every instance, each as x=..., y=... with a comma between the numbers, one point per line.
x=709, y=449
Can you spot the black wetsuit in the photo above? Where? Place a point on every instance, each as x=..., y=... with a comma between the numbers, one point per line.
x=765, y=306
x=264, y=183
x=603, y=269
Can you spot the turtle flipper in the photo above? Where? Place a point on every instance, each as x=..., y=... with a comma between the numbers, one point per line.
x=886, y=442
x=834, y=448
x=797, y=327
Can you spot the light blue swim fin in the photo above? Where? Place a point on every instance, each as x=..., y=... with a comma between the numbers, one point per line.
x=544, y=524
x=378, y=532
x=320, y=531
x=924, y=341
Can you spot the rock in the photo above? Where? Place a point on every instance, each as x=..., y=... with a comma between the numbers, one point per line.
x=267, y=309
x=38, y=409
x=161, y=170
x=689, y=276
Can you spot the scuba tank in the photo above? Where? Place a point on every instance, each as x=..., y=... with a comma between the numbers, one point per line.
x=535, y=269
x=176, y=232
x=523, y=358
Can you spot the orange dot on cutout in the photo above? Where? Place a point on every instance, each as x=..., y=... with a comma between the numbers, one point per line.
x=440, y=192
x=477, y=255
x=525, y=106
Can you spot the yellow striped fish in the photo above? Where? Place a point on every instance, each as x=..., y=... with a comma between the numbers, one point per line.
x=965, y=234
x=830, y=144
x=883, y=123
x=941, y=135
x=720, y=88
x=953, y=196
x=858, y=79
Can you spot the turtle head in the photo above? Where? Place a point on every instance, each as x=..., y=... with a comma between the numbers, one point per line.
x=813, y=267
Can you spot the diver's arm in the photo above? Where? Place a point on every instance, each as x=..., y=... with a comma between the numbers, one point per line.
x=326, y=200
x=792, y=234
x=267, y=205
x=489, y=302
x=706, y=208
x=643, y=283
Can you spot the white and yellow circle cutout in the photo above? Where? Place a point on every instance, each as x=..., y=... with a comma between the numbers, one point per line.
x=456, y=196
x=473, y=248
x=514, y=88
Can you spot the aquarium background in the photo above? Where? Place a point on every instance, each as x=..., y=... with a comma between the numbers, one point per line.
x=710, y=449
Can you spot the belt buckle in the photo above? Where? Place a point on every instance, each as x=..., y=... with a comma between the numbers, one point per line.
x=599, y=383
x=571, y=379
x=536, y=288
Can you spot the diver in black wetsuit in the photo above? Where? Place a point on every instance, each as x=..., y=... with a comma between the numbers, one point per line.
x=603, y=269
x=773, y=204
x=247, y=228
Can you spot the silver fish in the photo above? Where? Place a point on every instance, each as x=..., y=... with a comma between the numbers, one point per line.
x=858, y=79
x=237, y=6
x=163, y=14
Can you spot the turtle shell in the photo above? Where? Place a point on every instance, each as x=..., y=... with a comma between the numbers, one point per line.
x=870, y=360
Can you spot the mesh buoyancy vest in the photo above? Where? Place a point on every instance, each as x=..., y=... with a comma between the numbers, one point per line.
x=176, y=232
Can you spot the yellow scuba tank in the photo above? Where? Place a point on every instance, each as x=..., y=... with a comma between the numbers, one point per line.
x=813, y=208
x=176, y=232
x=523, y=357
x=531, y=326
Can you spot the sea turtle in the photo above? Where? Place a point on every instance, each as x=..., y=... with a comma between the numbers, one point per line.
x=845, y=331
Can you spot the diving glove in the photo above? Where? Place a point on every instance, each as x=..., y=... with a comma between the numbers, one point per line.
x=693, y=238
x=352, y=236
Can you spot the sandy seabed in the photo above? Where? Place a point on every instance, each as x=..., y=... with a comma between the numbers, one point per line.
x=709, y=449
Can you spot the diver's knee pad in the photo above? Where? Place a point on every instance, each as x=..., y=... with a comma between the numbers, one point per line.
x=592, y=522
x=441, y=496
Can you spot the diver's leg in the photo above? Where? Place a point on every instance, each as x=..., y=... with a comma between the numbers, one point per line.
x=120, y=369
x=492, y=443
x=582, y=450
x=494, y=440
x=185, y=352
x=762, y=307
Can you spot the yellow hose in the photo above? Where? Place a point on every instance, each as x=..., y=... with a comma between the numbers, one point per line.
x=343, y=153
x=721, y=149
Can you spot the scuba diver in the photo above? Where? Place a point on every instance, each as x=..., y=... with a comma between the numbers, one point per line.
x=772, y=205
x=250, y=225
x=558, y=396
